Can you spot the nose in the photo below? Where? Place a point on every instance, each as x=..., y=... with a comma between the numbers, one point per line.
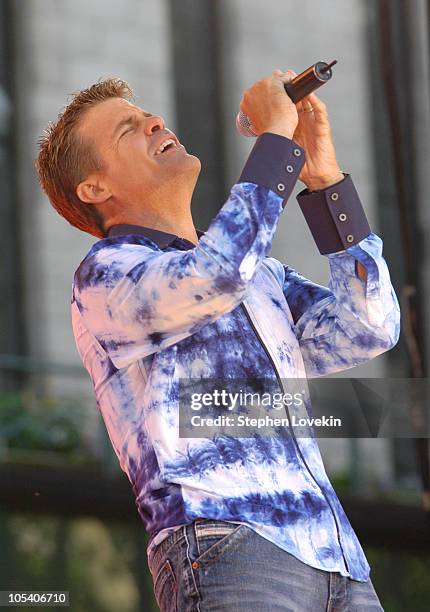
x=153, y=123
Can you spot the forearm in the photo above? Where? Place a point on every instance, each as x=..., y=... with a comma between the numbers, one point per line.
x=348, y=322
x=336, y=218
x=324, y=182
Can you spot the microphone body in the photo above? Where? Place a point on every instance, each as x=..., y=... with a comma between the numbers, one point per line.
x=299, y=87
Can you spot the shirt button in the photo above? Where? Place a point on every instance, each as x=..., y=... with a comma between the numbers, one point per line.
x=297, y=152
x=349, y=238
x=289, y=168
x=334, y=196
x=281, y=187
x=342, y=217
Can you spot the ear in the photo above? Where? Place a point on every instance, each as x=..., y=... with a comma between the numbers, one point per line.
x=93, y=190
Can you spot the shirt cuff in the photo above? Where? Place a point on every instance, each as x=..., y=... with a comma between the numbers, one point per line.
x=335, y=216
x=275, y=162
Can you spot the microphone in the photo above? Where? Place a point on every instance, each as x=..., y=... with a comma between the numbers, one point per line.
x=299, y=87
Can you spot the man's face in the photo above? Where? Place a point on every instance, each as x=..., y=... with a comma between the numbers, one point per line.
x=128, y=140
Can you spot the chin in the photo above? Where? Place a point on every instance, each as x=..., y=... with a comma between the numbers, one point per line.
x=192, y=163
x=198, y=168
x=195, y=159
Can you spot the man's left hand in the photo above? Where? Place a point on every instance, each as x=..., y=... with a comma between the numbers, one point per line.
x=313, y=133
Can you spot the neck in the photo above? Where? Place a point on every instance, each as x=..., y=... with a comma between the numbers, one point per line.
x=174, y=220
x=180, y=224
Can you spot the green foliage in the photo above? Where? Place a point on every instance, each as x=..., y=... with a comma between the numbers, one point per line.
x=400, y=579
x=102, y=564
x=342, y=482
x=47, y=423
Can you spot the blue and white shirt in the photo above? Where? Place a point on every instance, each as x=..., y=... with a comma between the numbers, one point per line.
x=149, y=308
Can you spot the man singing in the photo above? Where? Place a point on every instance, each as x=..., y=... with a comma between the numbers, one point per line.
x=235, y=523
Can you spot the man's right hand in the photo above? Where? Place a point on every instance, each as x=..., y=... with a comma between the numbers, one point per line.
x=268, y=106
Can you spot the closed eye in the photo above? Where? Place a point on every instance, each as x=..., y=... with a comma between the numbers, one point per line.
x=130, y=129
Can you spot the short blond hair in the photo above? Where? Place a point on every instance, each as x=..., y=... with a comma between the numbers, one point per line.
x=65, y=158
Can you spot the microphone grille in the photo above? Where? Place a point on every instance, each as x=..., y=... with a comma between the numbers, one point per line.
x=243, y=125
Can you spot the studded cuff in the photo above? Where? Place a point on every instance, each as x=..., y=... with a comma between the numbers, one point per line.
x=335, y=216
x=274, y=162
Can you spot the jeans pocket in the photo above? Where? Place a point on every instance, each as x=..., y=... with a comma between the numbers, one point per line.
x=165, y=588
x=212, y=547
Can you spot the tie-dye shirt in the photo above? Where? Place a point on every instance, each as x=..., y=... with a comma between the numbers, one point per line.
x=147, y=315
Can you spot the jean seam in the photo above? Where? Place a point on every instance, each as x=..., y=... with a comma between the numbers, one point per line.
x=167, y=568
x=346, y=583
x=348, y=594
x=160, y=551
x=196, y=538
x=329, y=599
x=221, y=552
x=191, y=568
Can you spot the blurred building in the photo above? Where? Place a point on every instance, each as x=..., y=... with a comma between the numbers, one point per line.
x=190, y=61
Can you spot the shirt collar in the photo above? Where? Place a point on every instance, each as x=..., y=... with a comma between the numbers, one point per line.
x=162, y=239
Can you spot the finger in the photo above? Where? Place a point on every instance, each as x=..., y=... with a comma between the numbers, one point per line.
x=299, y=106
x=304, y=107
x=318, y=105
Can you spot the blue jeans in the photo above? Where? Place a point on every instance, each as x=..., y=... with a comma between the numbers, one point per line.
x=212, y=565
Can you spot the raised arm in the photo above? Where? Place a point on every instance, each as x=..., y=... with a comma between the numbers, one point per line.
x=356, y=317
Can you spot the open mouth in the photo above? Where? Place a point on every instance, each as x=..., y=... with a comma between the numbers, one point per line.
x=165, y=146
